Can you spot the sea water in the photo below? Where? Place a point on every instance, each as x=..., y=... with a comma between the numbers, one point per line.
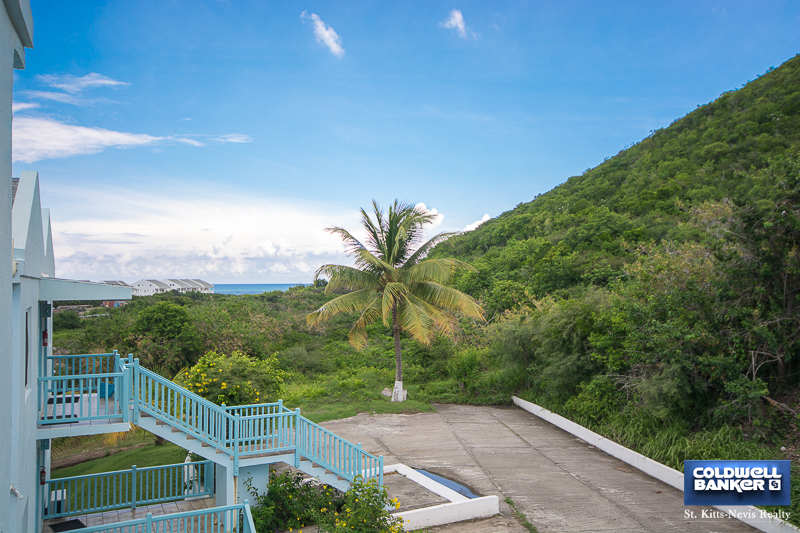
x=252, y=288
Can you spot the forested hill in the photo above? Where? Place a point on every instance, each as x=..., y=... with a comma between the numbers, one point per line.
x=574, y=233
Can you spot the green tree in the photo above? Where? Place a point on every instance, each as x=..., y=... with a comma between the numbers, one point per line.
x=164, y=336
x=393, y=281
x=66, y=320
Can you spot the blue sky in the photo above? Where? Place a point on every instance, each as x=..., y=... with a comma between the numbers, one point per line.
x=217, y=139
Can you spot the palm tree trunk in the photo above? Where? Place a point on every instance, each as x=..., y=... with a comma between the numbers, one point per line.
x=398, y=393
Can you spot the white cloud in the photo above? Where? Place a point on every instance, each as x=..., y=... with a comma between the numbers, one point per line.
x=184, y=140
x=73, y=84
x=325, y=34
x=436, y=221
x=22, y=106
x=66, y=98
x=214, y=234
x=37, y=138
x=234, y=138
x=470, y=227
x=455, y=21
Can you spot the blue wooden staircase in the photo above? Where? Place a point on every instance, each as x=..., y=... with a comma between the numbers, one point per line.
x=244, y=435
x=112, y=391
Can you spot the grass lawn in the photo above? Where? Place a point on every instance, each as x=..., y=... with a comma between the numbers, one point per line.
x=148, y=455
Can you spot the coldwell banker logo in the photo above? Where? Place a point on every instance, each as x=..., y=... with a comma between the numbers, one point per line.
x=736, y=483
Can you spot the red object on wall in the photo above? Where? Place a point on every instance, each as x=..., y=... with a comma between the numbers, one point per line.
x=44, y=338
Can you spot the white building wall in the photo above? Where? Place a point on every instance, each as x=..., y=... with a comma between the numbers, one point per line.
x=29, y=251
x=16, y=30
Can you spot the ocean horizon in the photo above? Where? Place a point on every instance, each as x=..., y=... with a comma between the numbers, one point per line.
x=253, y=288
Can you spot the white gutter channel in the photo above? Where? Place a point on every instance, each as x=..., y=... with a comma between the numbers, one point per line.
x=459, y=509
x=668, y=475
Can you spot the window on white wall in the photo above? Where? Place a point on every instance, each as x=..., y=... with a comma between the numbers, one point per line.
x=27, y=343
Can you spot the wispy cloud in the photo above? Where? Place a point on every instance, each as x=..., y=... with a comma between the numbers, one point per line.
x=455, y=21
x=233, y=138
x=212, y=234
x=66, y=98
x=325, y=34
x=22, y=106
x=75, y=84
x=37, y=138
x=474, y=225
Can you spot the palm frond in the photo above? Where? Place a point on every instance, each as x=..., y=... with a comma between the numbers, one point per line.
x=423, y=250
x=440, y=270
x=375, y=237
x=342, y=277
x=347, y=303
x=415, y=320
x=443, y=321
x=367, y=260
x=351, y=244
x=447, y=298
x=392, y=294
x=358, y=333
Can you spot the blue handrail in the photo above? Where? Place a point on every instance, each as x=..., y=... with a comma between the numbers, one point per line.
x=108, y=491
x=217, y=520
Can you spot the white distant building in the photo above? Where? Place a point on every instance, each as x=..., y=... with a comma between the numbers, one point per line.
x=196, y=287
x=177, y=285
x=149, y=287
x=208, y=288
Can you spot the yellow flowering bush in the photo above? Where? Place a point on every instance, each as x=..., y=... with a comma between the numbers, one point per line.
x=234, y=379
x=291, y=504
x=363, y=509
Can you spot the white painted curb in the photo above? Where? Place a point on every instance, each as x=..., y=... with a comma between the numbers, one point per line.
x=744, y=513
x=459, y=509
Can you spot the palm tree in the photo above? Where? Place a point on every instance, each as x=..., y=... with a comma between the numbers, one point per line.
x=393, y=281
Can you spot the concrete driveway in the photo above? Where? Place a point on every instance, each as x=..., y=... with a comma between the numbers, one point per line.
x=558, y=481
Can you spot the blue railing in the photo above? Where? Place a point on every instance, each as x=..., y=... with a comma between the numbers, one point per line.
x=248, y=430
x=217, y=520
x=108, y=491
x=171, y=403
x=82, y=388
x=335, y=453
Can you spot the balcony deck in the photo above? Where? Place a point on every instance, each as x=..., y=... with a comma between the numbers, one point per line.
x=113, y=517
x=86, y=413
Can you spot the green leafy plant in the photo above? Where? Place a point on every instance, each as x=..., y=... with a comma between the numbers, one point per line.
x=364, y=509
x=235, y=379
x=292, y=502
x=289, y=503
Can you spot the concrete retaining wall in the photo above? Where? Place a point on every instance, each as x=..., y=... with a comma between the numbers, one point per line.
x=745, y=513
x=459, y=509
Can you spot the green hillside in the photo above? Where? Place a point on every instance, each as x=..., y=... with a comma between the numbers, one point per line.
x=574, y=233
x=656, y=297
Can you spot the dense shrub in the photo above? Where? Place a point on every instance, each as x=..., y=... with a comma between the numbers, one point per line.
x=292, y=502
x=235, y=379
x=66, y=320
